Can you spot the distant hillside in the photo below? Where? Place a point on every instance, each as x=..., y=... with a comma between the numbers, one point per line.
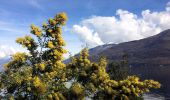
x=148, y=58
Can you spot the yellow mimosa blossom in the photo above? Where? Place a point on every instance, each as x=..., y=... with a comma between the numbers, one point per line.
x=38, y=84
x=59, y=31
x=57, y=53
x=11, y=98
x=77, y=89
x=49, y=30
x=63, y=15
x=36, y=30
x=27, y=41
x=41, y=66
x=52, y=22
x=53, y=35
x=29, y=88
x=56, y=96
x=45, y=25
x=61, y=18
x=29, y=78
x=5, y=66
x=60, y=95
x=20, y=40
x=19, y=57
x=50, y=44
x=36, y=81
x=29, y=38
x=50, y=97
x=59, y=64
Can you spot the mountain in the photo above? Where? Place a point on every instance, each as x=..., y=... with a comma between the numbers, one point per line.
x=149, y=58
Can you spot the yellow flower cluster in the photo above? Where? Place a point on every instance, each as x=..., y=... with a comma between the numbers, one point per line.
x=11, y=98
x=84, y=54
x=41, y=66
x=83, y=60
x=63, y=78
x=59, y=65
x=111, y=83
x=62, y=50
x=77, y=89
x=6, y=66
x=36, y=31
x=61, y=18
x=50, y=44
x=57, y=35
x=56, y=96
x=36, y=81
x=51, y=75
x=102, y=74
x=19, y=57
x=152, y=84
x=29, y=88
x=38, y=84
x=61, y=41
x=45, y=25
x=93, y=77
x=91, y=87
x=17, y=80
x=57, y=55
x=103, y=62
x=58, y=30
x=50, y=31
x=29, y=78
x=132, y=85
x=52, y=22
x=27, y=41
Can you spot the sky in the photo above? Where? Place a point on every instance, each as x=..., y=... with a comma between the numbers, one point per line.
x=91, y=22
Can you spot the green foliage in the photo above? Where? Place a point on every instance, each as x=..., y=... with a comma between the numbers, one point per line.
x=119, y=70
x=41, y=74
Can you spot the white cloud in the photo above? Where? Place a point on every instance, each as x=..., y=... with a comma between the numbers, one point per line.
x=6, y=51
x=123, y=27
x=87, y=35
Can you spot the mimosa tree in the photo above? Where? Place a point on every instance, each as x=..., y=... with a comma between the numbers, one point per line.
x=39, y=74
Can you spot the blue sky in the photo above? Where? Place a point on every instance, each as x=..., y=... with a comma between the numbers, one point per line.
x=16, y=16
